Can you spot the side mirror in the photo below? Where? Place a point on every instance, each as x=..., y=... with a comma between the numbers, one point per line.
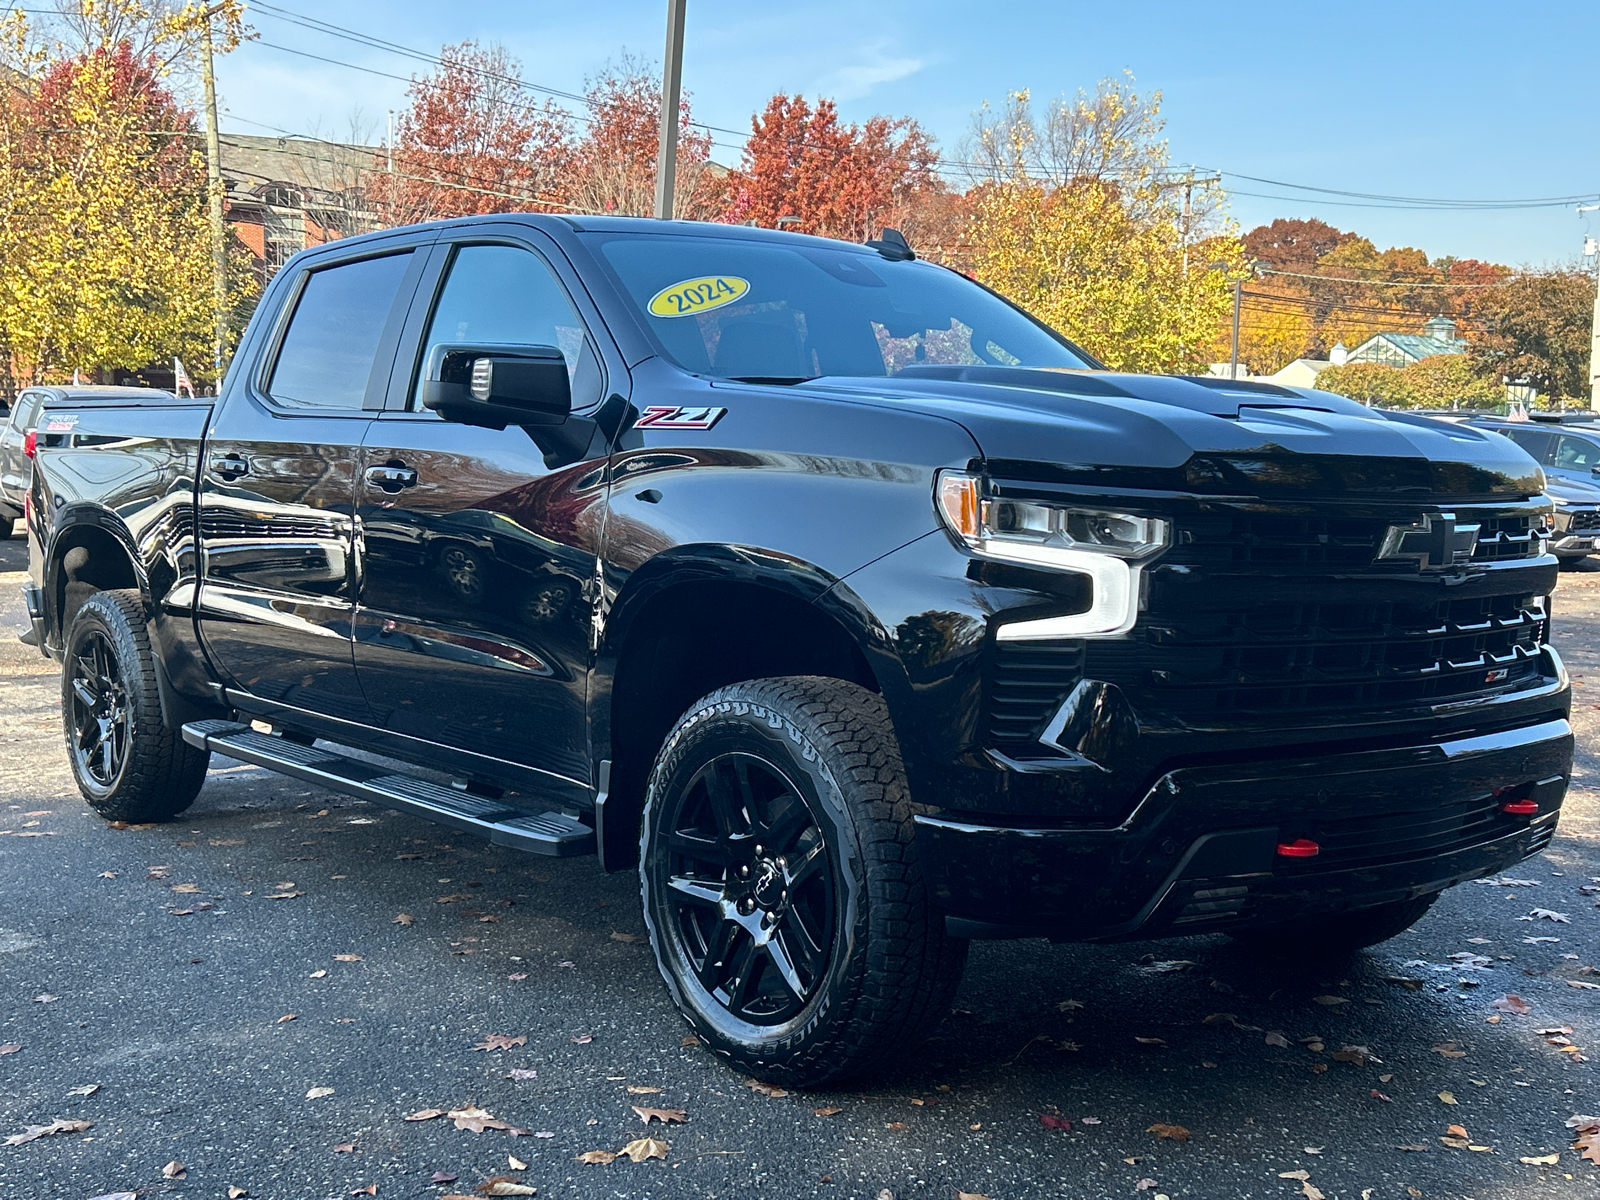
x=497, y=385
x=1595, y=471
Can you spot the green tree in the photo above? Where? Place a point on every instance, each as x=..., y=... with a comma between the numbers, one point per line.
x=1537, y=330
x=1438, y=381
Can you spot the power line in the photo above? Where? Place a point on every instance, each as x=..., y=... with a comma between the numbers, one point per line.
x=1534, y=202
x=1396, y=283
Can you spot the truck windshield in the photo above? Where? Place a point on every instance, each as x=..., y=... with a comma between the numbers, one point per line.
x=734, y=308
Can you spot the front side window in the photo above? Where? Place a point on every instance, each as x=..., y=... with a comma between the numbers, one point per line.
x=26, y=414
x=1535, y=442
x=329, y=350
x=1576, y=453
x=507, y=296
x=736, y=308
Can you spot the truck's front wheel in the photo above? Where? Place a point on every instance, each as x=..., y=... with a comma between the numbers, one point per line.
x=127, y=763
x=787, y=907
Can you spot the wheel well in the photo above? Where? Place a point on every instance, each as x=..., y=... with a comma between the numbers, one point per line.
x=90, y=560
x=689, y=641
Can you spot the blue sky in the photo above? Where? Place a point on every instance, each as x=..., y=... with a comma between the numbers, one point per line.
x=1466, y=100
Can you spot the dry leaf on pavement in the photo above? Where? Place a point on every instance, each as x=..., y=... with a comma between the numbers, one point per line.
x=10, y=1048
x=55, y=1127
x=1512, y=1003
x=370, y=1190
x=501, y=1041
x=1310, y=1192
x=504, y=1185
x=1359, y=1055
x=1275, y=1038
x=765, y=1089
x=647, y=1147
x=1542, y=1160
x=84, y=1089
x=827, y=1112
x=515, y=1163
x=1176, y=1132
x=665, y=1115
x=1447, y=1097
x=237, y=1193
x=403, y=919
x=320, y=974
x=971, y=1196
x=582, y=1039
x=426, y=1114
x=631, y=938
x=522, y=1073
x=444, y=1177
x=475, y=1120
x=1150, y=1041
x=1449, y=1050
x=347, y=958
x=1587, y=1142
x=1330, y=1001
x=1547, y=914
x=317, y=1093
x=173, y=1170
x=286, y=1018
x=1415, y=1148
x=635, y=1090
x=596, y=1157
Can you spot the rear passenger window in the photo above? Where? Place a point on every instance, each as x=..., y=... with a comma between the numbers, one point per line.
x=1533, y=441
x=328, y=352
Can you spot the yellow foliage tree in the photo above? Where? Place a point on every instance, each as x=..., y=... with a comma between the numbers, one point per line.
x=1077, y=220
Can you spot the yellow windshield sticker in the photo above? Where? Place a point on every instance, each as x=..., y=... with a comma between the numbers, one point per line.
x=694, y=296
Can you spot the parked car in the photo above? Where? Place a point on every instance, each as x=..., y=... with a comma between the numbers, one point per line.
x=16, y=453
x=860, y=612
x=1575, y=525
x=1566, y=449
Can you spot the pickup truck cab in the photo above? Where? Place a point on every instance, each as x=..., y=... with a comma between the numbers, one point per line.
x=857, y=610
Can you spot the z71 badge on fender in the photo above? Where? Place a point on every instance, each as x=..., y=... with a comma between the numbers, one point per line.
x=674, y=416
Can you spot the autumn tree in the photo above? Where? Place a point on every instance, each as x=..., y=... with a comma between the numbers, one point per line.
x=804, y=168
x=1536, y=329
x=612, y=169
x=1074, y=219
x=104, y=240
x=1440, y=381
x=472, y=140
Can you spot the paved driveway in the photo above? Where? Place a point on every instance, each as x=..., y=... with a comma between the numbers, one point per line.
x=265, y=990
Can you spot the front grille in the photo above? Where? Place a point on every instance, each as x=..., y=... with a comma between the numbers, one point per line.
x=1243, y=538
x=1266, y=657
x=1584, y=520
x=1027, y=683
x=1386, y=838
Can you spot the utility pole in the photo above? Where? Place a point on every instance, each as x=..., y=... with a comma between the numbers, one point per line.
x=1234, y=372
x=1190, y=182
x=219, y=233
x=1592, y=246
x=671, y=90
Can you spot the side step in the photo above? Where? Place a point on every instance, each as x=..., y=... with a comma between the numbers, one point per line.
x=548, y=833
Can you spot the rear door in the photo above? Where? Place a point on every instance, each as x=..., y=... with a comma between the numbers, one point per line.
x=478, y=558
x=1576, y=457
x=277, y=486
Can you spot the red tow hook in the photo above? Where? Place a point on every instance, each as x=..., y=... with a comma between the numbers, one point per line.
x=1520, y=808
x=1299, y=848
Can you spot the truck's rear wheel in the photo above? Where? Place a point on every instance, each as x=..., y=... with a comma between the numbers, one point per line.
x=786, y=904
x=1338, y=933
x=127, y=763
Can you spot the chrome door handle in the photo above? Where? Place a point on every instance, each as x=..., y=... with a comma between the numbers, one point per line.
x=392, y=477
x=229, y=466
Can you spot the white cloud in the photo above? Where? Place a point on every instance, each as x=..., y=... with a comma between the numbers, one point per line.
x=857, y=80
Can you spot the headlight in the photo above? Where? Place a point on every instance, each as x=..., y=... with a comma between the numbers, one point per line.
x=1103, y=544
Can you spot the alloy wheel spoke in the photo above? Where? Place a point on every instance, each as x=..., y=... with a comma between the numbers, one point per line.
x=798, y=940
x=86, y=695
x=789, y=823
x=717, y=948
x=698, y=891
x=108, y=746
x=803, y=870
x=778, y=953
x=723, y=802
x=742, y=973
x=700, y=849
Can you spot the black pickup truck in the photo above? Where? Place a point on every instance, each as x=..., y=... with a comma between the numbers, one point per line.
x=857, y=610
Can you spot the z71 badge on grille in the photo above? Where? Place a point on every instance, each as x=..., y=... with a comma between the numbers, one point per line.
x=674, y=416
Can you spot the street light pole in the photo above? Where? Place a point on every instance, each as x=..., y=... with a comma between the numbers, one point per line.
x=671, y=90
x=1234, y=372
x=219, y=233
x=1594, y=328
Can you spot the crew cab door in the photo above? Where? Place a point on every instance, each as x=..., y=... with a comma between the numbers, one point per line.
x=277, y=486
x=478, y=559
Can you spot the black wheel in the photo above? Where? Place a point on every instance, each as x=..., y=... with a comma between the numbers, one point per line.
x=463, y=569
x=128, y=765
x=786, y=904
x=1338, y=933
x=547, y=601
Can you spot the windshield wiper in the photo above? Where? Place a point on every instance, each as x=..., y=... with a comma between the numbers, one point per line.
x=778, y=379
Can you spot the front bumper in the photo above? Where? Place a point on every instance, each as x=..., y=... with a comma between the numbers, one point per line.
x=1199, y=850
x=1573, y=545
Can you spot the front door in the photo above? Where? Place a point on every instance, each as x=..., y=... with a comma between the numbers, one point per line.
x=277, y=490
x=478, y=559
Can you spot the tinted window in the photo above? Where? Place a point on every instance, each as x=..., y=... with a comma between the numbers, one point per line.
x=1533, y=441
x=737, y=308
x=26, y=413
x=332, y=340
x=506, y=296
x=1576, y=453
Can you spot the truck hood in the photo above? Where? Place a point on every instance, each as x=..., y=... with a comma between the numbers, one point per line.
x=1196, y=434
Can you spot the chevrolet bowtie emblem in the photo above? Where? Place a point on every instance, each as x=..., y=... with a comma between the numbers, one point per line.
x=1436, y=543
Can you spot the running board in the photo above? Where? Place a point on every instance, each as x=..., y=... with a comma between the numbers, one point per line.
x=548, y=833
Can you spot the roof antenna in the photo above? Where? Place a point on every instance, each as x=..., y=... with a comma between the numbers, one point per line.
x=893, y=246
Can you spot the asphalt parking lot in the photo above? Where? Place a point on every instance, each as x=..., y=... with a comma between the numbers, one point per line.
x=266, y=989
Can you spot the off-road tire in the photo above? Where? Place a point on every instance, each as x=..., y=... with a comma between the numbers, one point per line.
x=157, y=775
x=1338, y=933
x=891, y=970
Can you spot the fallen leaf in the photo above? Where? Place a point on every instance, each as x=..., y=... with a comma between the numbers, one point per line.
x=84, y=1089
x=475, y=1120
x=1415, y=1148
x=765, y=1089
x=583, y=1039
x=1377, y=1095
x=1068, y=1005
x=643, y=1148
x=1481, y=1149
x=517, y=976
x=1275, y=1038
x=1330, y=1001
x=285, y=896
x=173, y=1170
x=1144, y=1185
x=631, y=938
x=1546, y=914
x=1449, y=1050
x=522, y=1073
x=501, y=1041
x=1302, y=1176
x=345, y=1148
x=238, y=1193
x=1091, y=1120
x=106, y=875
x=1448, y=1097
x=960, y=1195
x=1385, y=1078
x=1310, y=1192
x=286, y=1018
x=38, y=1131
x=320, y=974
x=1167, y=966
x=636, y=1090
x=1512, y=1003
x=370, y=1190
x=444, y=1177
x=347, y=958
x=318, y=1092
x=1404, y=981
x=1053, y=1122
x=689, y=1039
x=1150, y=1041
x=895, y=1125
x=1457, y=1131
x=596, y=1157
x=227, y=841
x=1221, y=1019
x=827, y=1112
x=506, y=1187
x=1176, y=1132
x=403, y=919
x=1543, y=1160
x=665, y=1115
x=1583, y=983
x=1358, y=1055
